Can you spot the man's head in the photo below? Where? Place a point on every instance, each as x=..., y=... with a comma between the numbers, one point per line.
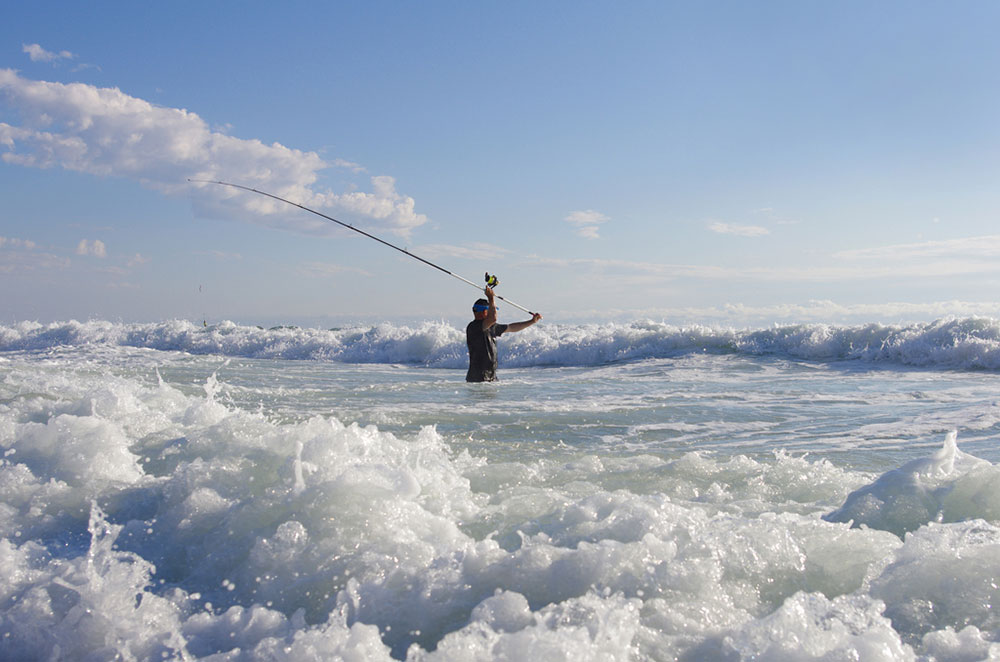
x=480, y=308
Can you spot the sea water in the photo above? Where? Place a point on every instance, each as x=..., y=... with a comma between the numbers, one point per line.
x=631, y=491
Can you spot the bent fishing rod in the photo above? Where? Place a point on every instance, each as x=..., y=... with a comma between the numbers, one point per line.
x=491, y=281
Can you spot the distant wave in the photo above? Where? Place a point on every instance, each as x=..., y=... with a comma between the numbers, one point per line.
x=967, y=343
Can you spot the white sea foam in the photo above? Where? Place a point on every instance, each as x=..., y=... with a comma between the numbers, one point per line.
x=971, y=343
x=949, y=486
x=146, y=512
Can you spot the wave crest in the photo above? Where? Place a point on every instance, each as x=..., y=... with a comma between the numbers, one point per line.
x=966, y=343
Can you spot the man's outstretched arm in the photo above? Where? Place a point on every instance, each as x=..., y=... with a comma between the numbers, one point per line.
x=518, y=326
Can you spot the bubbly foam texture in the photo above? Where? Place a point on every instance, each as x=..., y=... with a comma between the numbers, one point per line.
x=949, y=486
x=948, y=343
x=141, y=521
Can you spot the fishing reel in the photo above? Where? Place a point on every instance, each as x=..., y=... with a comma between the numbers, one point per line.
x=492, y=281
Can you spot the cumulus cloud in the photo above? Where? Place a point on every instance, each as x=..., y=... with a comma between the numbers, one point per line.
x=738, y=230
x=39, y=54
x=587, y=222
x=95, y=248
x=103, y=131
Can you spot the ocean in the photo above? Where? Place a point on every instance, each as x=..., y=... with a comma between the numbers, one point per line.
x=626, y=491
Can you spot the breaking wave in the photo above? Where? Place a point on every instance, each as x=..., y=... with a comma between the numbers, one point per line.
x=964, y=344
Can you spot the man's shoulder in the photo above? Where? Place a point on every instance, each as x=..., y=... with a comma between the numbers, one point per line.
x=476, y=327
x=475, y=331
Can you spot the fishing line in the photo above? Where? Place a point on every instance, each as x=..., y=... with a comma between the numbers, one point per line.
x=490, y=280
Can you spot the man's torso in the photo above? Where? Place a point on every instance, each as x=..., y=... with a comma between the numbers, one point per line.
x=482, y=351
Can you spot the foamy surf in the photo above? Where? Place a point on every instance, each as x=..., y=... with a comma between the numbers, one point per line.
x=168, y=505
x=948, y=486
x=970, y=343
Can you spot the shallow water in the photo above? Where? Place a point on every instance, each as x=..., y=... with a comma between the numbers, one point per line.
x=625, y=492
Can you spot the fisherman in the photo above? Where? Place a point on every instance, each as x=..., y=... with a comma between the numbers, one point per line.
x=481, y=335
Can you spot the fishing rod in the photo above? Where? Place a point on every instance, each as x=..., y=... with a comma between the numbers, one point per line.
x=491, y=281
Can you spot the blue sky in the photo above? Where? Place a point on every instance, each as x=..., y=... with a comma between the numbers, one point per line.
x=733, y=163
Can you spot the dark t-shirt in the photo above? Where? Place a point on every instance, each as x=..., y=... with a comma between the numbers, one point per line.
x=482, y=351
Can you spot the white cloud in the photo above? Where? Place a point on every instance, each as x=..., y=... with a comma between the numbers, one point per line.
x=103, y=131
x=14, y=242
x=39, y=54
x=471, y=251
x=17, y=255
x=987, y=247
x=738, y=230
x=815, y=312
x=812, y=274
x=393, y=211
x=588, y=217
x=11, y=262
x=136, y=260
x=587, y=222
x=349, y=165
x=95, y=248
x=606, y=267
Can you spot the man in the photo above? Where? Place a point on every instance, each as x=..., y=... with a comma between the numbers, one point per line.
x=481, y=335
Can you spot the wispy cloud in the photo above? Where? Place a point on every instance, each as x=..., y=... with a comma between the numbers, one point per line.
x=987, y=247
x=808, y=274
x=471, y=251
x=773, y=217
x=605, y=266
x=349, y=165
x=23, y=261
x=103, y=131
x=587, y=222
x=95, y=248
x=827, y=310
x=222, y=256
x=39, y=54
x=328, y=270
x=814, y=311
x=19, y=255
x=14, y=242
x=738, y=230
x=136, y=260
